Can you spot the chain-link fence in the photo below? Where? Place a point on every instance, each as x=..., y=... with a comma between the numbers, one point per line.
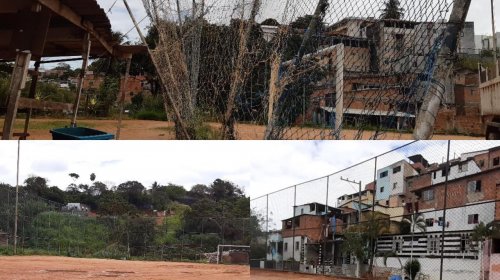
x=424, y=209
x=73, y=229
x=315, y=69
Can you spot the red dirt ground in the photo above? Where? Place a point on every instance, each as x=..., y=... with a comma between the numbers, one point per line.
x=156, y=130
x=58, y=268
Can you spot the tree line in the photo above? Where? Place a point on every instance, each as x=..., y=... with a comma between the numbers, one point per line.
x=128, y=220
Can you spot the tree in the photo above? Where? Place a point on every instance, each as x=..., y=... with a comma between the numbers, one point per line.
x=36, y=185
x=392, y=10
x=74, y=176
x=416, y=222
x=481, y=233
x=92, y=177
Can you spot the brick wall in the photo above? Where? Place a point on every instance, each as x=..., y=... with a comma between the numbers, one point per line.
x=458, y=194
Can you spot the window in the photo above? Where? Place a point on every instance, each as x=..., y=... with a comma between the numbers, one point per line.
x=429, y=222
x=463, y=167
x=440, y=221
x=395, y=185
x=474, y=186
x=297, y=245
x=481, y=163
x=396, y=169
x=473, y=219
x=382, y=189
x=496, y=161
x=384, y=174
x=302, y=211
x=428, y=195
x=443, y=172
x=286, y=246
x=433, y=244
x=434, y=175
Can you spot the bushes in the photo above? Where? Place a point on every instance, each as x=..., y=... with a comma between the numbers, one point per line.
x=150, y=115
x=412, y=268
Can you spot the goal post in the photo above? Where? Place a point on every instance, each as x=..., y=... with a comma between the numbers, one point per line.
x=233, y=254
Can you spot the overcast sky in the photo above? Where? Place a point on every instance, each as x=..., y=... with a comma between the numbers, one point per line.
x=260, y=167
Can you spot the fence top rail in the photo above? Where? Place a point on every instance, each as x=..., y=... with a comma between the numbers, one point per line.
x=339, y=171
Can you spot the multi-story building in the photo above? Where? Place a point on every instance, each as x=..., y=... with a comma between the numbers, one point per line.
x=391, y=181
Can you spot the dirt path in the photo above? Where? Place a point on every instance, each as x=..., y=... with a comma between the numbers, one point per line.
x=155, y=130
x=58, y=268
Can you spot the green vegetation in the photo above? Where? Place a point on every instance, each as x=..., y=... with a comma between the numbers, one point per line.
x=128, y=220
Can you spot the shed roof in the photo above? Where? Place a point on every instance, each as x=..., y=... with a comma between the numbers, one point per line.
x=23, y=24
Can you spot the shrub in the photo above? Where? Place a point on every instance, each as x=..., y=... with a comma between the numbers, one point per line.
x=412, y=268
x=151, y=115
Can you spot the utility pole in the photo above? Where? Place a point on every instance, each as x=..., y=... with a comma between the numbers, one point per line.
x=17, y=197
x=495, y=53
x=359, y=195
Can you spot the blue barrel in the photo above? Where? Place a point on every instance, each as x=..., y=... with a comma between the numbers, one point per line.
x=395, y=277
x=80, y=133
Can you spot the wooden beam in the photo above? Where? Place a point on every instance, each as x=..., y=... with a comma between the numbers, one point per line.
x=28, y=103
x=66, y=12
x=86, y=53
x=17, y=83
x=122, y=97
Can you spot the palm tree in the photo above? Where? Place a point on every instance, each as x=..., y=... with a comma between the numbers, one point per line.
x=480, y=234
x=417, y=222
x=392, y=10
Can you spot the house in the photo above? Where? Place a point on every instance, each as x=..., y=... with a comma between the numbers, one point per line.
x=472, y=197
x=274, y=246
x=391, y=181
x=309, y=238
x=79, y=209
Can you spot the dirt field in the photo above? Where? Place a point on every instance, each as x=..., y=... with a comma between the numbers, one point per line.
x=257, y=274
x=155, y=130
x=56, y=268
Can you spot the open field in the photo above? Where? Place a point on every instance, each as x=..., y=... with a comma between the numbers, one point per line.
x=156, y=130
x=258, y=274
x=55, y=268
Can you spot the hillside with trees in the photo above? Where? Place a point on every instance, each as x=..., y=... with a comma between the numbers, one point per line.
x=129, y=220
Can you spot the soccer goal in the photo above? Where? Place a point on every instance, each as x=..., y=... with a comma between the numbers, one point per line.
x=233, y=254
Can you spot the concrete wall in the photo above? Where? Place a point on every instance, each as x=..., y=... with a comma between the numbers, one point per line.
x=292, y=251
x=456, y=269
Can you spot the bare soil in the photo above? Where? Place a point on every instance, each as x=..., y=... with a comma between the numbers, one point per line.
x=156, y=130
x=58, y=268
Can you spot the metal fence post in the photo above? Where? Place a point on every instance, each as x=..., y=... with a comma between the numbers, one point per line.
x=444, y=209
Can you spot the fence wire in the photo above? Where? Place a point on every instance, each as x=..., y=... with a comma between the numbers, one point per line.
x=295, y=69
x=425, y=210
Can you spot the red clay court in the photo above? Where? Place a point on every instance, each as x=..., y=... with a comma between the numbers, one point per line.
x=55, y=268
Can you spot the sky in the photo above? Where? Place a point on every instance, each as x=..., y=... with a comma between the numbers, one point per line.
x=282, y=169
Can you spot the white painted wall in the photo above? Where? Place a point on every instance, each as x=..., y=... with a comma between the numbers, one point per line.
x=288, y=254
x=458, y=217
x=454, y=269
x=472, y=168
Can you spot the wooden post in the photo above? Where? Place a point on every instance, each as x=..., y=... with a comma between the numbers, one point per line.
x=17, y=83
x=86, y=53
x=122, y=96
x=34, y=81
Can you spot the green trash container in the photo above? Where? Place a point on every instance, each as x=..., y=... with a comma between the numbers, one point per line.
x=80, y=133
